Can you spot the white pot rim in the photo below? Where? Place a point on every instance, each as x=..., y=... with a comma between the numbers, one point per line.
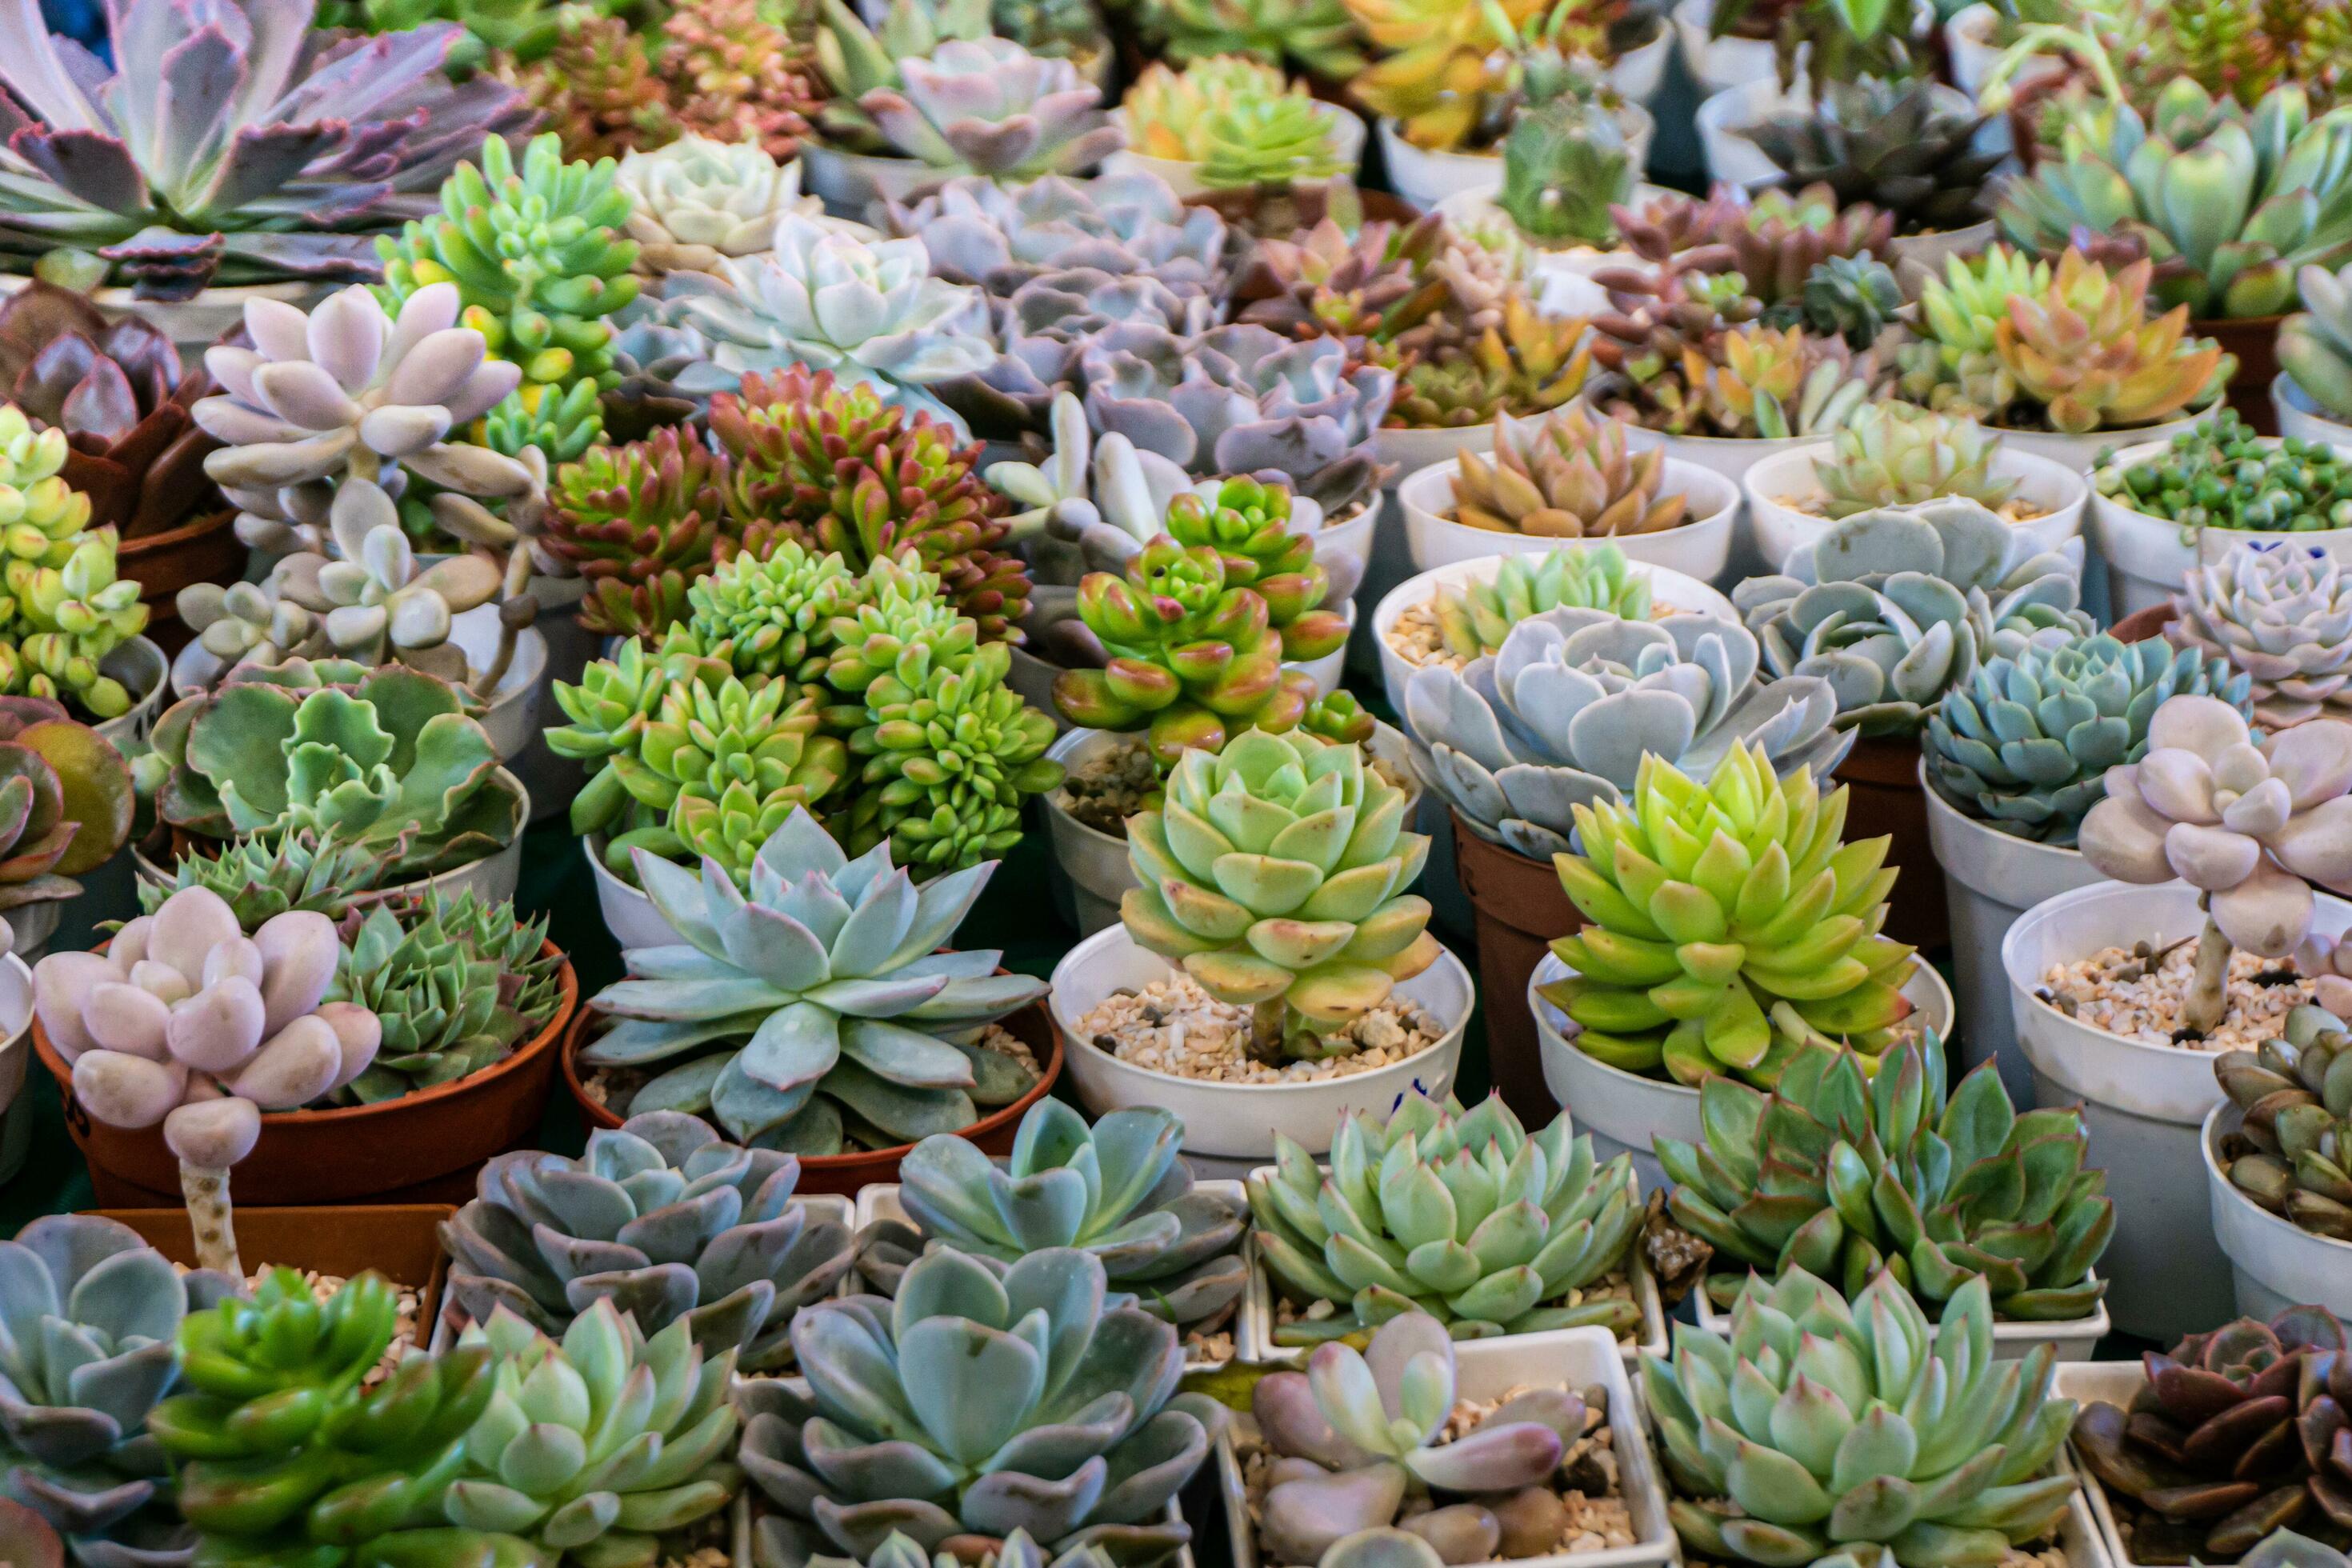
x=1695, y=482
x=2277, y=1227
x=2005, y=1330
x=2033, y=849
x=1770, y=467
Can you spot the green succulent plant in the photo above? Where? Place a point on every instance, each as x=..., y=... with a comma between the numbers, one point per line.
x=1822, y=1431
x=1565, y=165
x=1894, y=453
x=1897, y=145
x=2315, y=345
x=65, y=610
x=1253, y=527
x=267, y=874
x=773, y=613
x=1237, y=119
x=1320, y=34
x=640, y=524
x=1474, y=616
x=1018, y=1551
x=1469, y=1217
x=2293, y=1151
x=1854, y=297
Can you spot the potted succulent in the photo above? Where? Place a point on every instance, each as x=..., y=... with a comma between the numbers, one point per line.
x=1628, y=1048
x=2123, y=991
x=2271, y=613
x=1228, y=121
x=1335, y=999
x=2312, y=395
x=1776, y=239
x=2274, y=1162
x=1562, y=714
x=696, y=202
x=1844, y=608
x=15, y=1052
x=64, y=808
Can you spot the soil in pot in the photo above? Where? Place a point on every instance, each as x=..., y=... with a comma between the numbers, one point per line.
x=1173, y=1026
x=1884, y=796
x=1520, y=910
x=2137, y=993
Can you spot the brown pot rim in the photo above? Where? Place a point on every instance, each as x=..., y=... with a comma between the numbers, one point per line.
x=996, y=1120
x=183, y=534
x=566, y=1012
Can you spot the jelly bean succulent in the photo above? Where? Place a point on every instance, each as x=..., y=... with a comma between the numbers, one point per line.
x=1467, y=1217
x=2219, y=474
x=740, y=74
x=841, y=1031
x=1570, y=477
x=1235, y=117
x=2292, y=1151
x=65, y=611
x=1120, y=1190
x=1864, y=1429
x=2244, y=824
x=2315, y=345
x=1900, y=147
x=1358, y=1434
x=641, y=522
x=1745, y=382
x=954, y=1411
x=1574, y=702
x=457, y=984
x=698, y=200
x=2282, y=617
x=1275, y=871
x=1476, y=615
x=1895, y=454
x=1895, y=608
x=2024, y=746
x=1731, y=925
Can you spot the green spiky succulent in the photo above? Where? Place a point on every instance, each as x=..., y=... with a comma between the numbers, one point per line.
x=563, y=424
x=771, y=615
x=1249, y=523
x=1893, y=454
x=1898, y=146
x=266, y=875
x=1851, y=296
x=1487, y=1228
x=1565, y=164
x=1476, y=616
x=640, y=524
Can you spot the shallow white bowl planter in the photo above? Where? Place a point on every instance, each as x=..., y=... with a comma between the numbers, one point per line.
x=1240, y=1120
x=1731, y=456
x=1719, y=65
x=1624, y=1110
x=2275, y=1263
x=1638, y=73
x=15, y=1050
x=1774, y=482
x=2298, y=415
x=1426, y=179
x=1669, y=590
x=1697, y=548
x=2148, y=558
x=140, y=665
x=195, y=324
x=1991, y=877
x=2081, y=453
x=1575, y=1358
x=2143, y=1105
x=2074, y=1338
x=490, y=879
x=1183, y=175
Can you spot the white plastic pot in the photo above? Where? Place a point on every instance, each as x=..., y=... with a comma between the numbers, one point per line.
x=30, y=926
x=138, y=664
x=2299, y=417
x=1575, y=1358
x=2143, y=1105
x=628, y=914
x=2081, y=453
x=1778, y=527
x=1183, y=175
x=1932, y=249
x=1426, y=179
x=1991, y=877
x=1697, y=548
x=1638, y=72
x=1033, y=679
x=1669, y=590
x=15, y=1050
x=492, y=878
x=194, y=324
x=1731, y=158
x=1624, y=1110
x=2273, y=1263
x=1719, y=65
x=1241, y=1120
x=1969, y=38
x=2149, y=558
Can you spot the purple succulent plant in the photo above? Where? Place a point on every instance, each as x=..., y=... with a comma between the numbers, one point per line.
x=987, y=106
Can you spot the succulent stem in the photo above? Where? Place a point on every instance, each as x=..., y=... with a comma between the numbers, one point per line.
x=1265, y=1031
x=205, y=1188
x=2209, y=997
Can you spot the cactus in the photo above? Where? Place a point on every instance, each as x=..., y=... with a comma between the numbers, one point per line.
x=1566, y=167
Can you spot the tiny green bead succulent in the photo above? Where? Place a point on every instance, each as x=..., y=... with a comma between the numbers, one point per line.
x=1469, y=1217
x=1474, y=616
x=1892, y=454
x=2219, y=474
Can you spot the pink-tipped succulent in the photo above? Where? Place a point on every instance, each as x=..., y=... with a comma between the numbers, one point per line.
x=2245, y=824
x=987, y=106
x=65, y=801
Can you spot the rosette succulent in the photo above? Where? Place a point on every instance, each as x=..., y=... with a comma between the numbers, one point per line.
x=1895, y=608
x=2279, y=615
x=1469, y=1217
x=1742, y=381
x=457, y=984
x=661, y=1218
x=1895, y=454
x=737, y=73
x=843, y=1030
x=1572, y=704
x=775, y=616
x=65, y=802
x=2087, y=351
x=1525, y=364
x=266, y=875
x=1774, y=241
x=1120, y=1190
x=987, y=106
x=63, y=621
x=1320, y=34
x=1900, y=147
x=1475, y=616
x=1570, y=477
x=855, y=59
x=2025, y=743
x=2315, y=344
x=2293, y=1151
x=1274, y=872
x=1863, y=1430
x=1444, y=72
x=371, y=602
x=698, y=201
x=1235, y=117
x=1789, y=917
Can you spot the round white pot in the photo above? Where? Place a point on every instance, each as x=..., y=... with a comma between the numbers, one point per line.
x=138, y=664
x=1090, y=871
x=1779, y=528
x=1624, y=1110
x=2299, y=417
x=2081, y=453
x=628, y=914
x=1669, y=590
x=1409, y=451
x=2273, y=1263
x=1183, y=175
x=16, y=1051
x=195, y=324
x=1991, y=877
x=30, y=926
x=1931, y=250
x=1732, y=158
x=1241, y=1120
x=1697, y=548
x=2143, y=1105
x=2148, y=558
x=850, y=182
x=1638, y=72
x=492, y=878
x=1427, y=179
x=1343, y=546
x=1719, y=65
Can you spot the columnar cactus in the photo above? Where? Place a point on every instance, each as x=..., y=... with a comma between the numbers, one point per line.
x=2283, y=616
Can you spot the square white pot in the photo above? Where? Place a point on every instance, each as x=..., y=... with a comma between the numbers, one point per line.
x=2115, y=1382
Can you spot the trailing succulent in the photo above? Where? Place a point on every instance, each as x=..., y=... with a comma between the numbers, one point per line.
x=2219, y=474
x=1120, y=1190
x=660, y=1218
x=2293, y=1151
x=1468, y=1217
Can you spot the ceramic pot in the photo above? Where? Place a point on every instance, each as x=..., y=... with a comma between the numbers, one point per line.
x=2149, y=557
x=1699, y=547
x=140, y=665
x=1719, y=65
x=198, y=550
x=1778, y=527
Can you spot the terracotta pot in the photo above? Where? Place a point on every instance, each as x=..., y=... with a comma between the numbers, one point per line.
x=421, y=1148
x=205, y=549
x=845, y=1173
x=2255, y=342
x=2142, y=625
x=1883, y=796
x=1519, y=909
x=400, y=1241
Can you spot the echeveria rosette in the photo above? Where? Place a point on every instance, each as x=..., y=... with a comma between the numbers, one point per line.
x=1275, y=871
x=987, y=106
x=1125, y=225
x=840, y=1020
x=1467, y=1217
x=1250, y=524
x=376, y=604
x=1730, y=924
x=1887, y=1171
x=1894, y=453
x=2244, y=824
x=1567, y=709
x=2025, y=746
x=2089, y=352
x=1857, y=1430
x=2293, y=1151
x=2281, y=615
x=698, y=201
x=1475, y=616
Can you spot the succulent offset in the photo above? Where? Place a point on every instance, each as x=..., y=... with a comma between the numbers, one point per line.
x=2281, y=616
x=2292, y=1153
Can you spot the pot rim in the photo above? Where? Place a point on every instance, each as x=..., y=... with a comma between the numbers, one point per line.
x=2125, y=436
x=2217, y=1180
x=2074, y=484
x=2123, y=511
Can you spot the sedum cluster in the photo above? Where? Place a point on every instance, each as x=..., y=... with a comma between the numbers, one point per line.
x=66, y=612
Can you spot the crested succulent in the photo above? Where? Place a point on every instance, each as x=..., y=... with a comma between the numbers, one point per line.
x=1775, y=973
x=954, y=1411
x=1525, y=364
x=1895, y=608
x=1474, y=616
x=1837, y=1444
x=641, y=523
x=1896, y=454
x=594, y=1448
x=331, y=139
x=698, y=201
x=457, y=984
x=1570, y=477
x=1275, y=871
x=2292, y=1153
x=2315, y=345
x=737, y=75
x=861, y=1037
x=265, y=875
x=2178, y=812
x=987, y=106
x=1898, y=146
x=2025, y=743
x=1357, y=1434
x=1320, y=34
x=65, y=800
x=1235, y=117
x=2229, y=1438
x=1469, y=1217
x=1570, y=707
x=1120, y=1190
x=1880, y=1167
x=2282, y=616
